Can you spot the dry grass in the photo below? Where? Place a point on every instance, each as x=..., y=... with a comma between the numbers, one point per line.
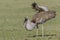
x=12, y=13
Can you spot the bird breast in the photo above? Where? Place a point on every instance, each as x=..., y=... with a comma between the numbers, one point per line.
x=29, y=25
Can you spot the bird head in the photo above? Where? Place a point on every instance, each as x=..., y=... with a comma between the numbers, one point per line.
x=34, y=5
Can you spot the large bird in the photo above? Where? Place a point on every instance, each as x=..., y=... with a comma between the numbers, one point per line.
x=42, y=16
x=39, y=18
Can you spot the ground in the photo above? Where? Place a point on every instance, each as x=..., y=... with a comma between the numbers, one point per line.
x=12, y=13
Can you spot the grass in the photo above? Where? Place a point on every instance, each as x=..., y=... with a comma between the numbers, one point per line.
x=12, y=13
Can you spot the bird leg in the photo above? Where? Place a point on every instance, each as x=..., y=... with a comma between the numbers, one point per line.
x=37, y=30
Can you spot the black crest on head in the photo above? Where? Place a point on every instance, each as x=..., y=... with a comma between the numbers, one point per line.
x=25, y=19
x=34, y=4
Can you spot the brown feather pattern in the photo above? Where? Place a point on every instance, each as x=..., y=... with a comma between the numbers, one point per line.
x=45, y=15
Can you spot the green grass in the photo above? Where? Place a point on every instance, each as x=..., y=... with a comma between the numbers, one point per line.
x=12, y=13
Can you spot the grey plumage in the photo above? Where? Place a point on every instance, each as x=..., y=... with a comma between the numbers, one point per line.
x=38, y=8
